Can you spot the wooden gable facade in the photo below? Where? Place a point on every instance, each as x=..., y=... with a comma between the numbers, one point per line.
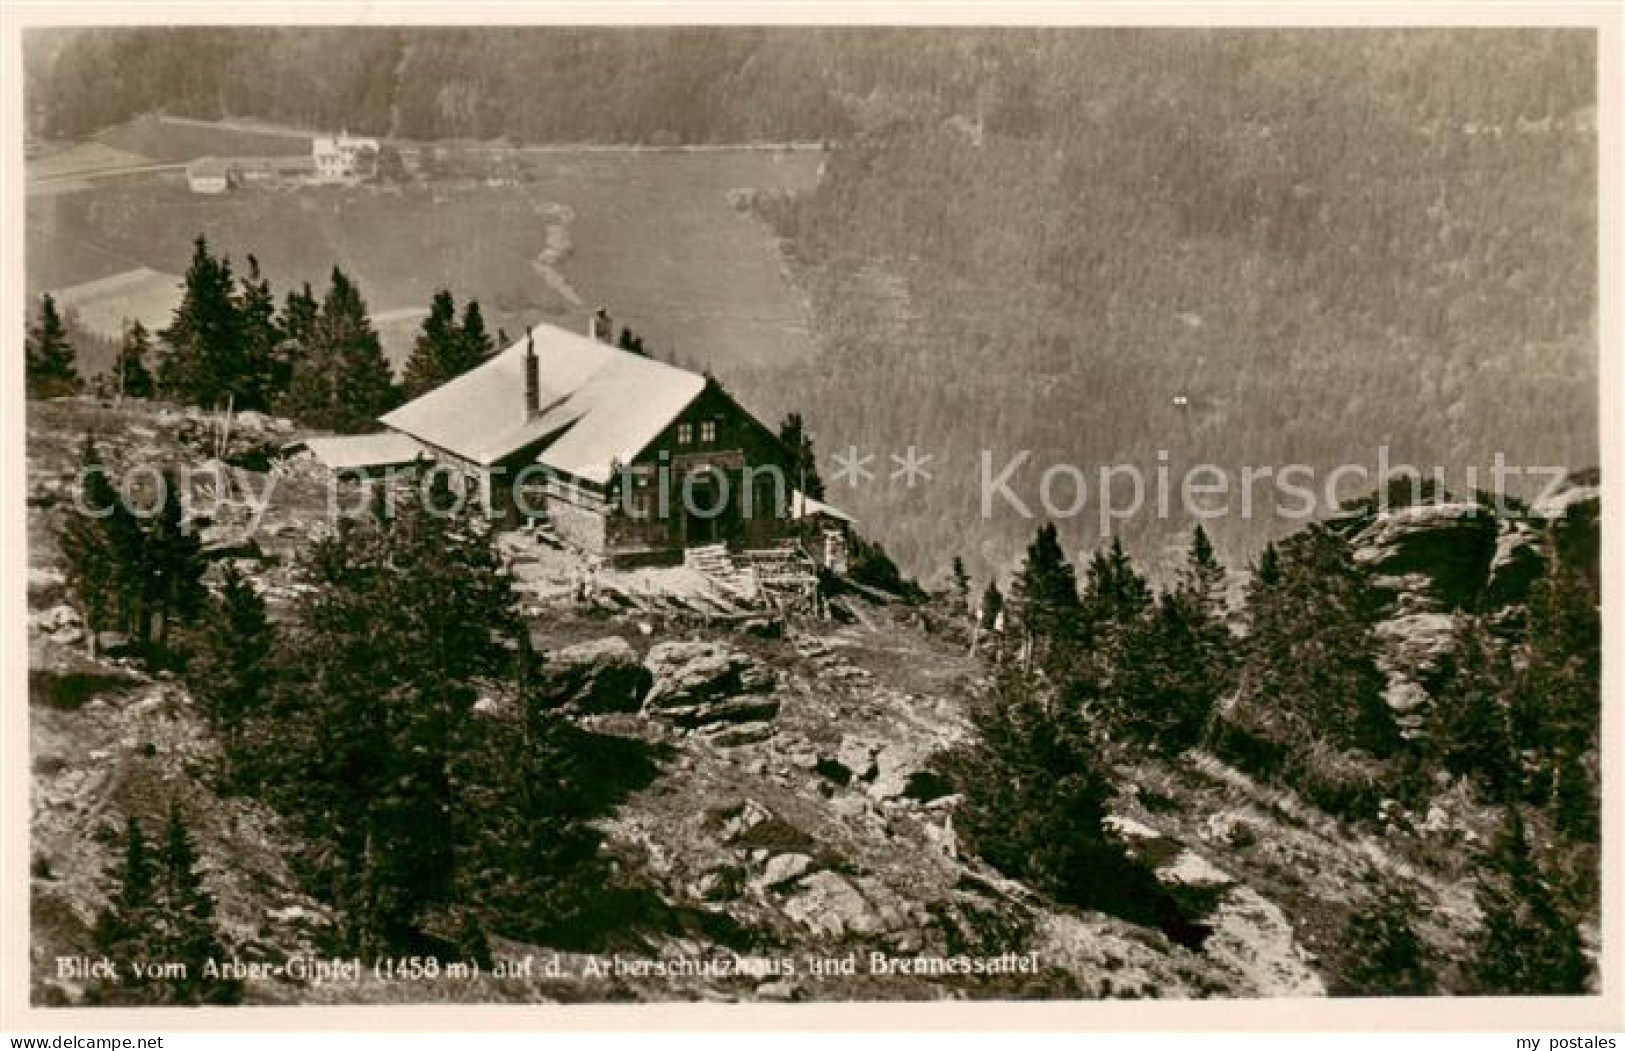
x=715, y=474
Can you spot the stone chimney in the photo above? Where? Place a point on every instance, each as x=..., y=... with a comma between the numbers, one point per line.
x=601, y=326
x=533, y=382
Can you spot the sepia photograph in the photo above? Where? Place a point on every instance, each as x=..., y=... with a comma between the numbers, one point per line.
x=808, y=514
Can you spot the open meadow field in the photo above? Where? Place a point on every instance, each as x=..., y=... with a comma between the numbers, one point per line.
x=177, y=139
x=655, y=236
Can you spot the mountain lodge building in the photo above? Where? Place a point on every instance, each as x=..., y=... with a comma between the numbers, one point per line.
x=624, y=456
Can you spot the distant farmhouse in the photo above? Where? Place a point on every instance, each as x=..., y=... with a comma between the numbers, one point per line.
x=343, y=157
x=590, y=418
x=215, y=175
x=212, y=175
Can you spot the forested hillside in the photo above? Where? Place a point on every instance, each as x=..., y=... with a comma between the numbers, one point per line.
x=1246, y=248
x=1243, y=249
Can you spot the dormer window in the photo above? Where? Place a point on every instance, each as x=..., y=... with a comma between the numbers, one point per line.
x=708, y=431
x=685, y=434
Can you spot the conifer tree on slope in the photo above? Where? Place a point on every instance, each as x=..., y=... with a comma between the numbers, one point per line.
x=960, y=583
x=127, y=929
x=1310, y=667
x=1045, y=594
x=1470, y=719
x=101, y=546
x=1386, y=957
x=1176, y=662
x=131, y=376
x=1528, y=946
x=804, y=465
x=205, y=365
x=264, y=373
x=408, y=614
x=435, y=351
x=230, y=667
x=474, y=342
x=187, y=931
x=49, y=370
x=160, y=913
x=342, y=380
x=172, y=566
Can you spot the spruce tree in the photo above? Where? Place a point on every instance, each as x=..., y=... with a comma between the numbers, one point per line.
x=1527, y=946
x=475, y=346
x=263, y=369
x=49, y=370
x=435, y=352
x=205, y=364
x=803, y=461
x=342, y=380
x=1470, y=721
x=960, y=583
x=230, y=667
x=1386, y=958
x=992, y=606
x=101, y=546
x=187, y=930
x=408, y=615
x=131, y=377
x=1115, y=594
x=1310, y=663
x=128, y=928
x=299, y=311
x=1045, y=596
x=1035, y=797
x=172, y=568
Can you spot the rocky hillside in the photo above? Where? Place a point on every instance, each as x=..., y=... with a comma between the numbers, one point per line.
x=790, y=808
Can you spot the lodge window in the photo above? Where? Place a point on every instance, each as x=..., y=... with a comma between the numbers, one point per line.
x=685, y=434
x=708, y=431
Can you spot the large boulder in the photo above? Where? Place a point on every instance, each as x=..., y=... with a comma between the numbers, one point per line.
x=603, y=675
x=1417, y=642
x=702, y=683
x=830, y=905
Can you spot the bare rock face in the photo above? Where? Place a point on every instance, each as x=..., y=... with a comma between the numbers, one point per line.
x=599, y=676
x=784, y=868
x=831, y=905
x=1417, y=641
x=699, y=684
x=1253, y=938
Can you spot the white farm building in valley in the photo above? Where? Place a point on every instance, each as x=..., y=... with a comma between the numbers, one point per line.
x=342, y=157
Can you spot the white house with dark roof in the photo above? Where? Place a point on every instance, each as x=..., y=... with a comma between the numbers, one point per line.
x=342, y=157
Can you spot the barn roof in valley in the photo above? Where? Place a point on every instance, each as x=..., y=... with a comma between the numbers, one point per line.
x=599, y=404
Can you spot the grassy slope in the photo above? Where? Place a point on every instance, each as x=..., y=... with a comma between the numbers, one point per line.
x=169, y=141
x=654, y=237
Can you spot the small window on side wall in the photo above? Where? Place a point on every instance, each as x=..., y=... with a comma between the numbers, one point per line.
x=685, y=434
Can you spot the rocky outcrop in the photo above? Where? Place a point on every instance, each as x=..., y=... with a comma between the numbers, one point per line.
x=1253, y=938
x=834, y=906
x=603, y=675
x=698, y=684
x=1439, y=553
x=1518, y=562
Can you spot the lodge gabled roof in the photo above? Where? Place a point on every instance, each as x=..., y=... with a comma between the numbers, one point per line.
x=599, y=405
